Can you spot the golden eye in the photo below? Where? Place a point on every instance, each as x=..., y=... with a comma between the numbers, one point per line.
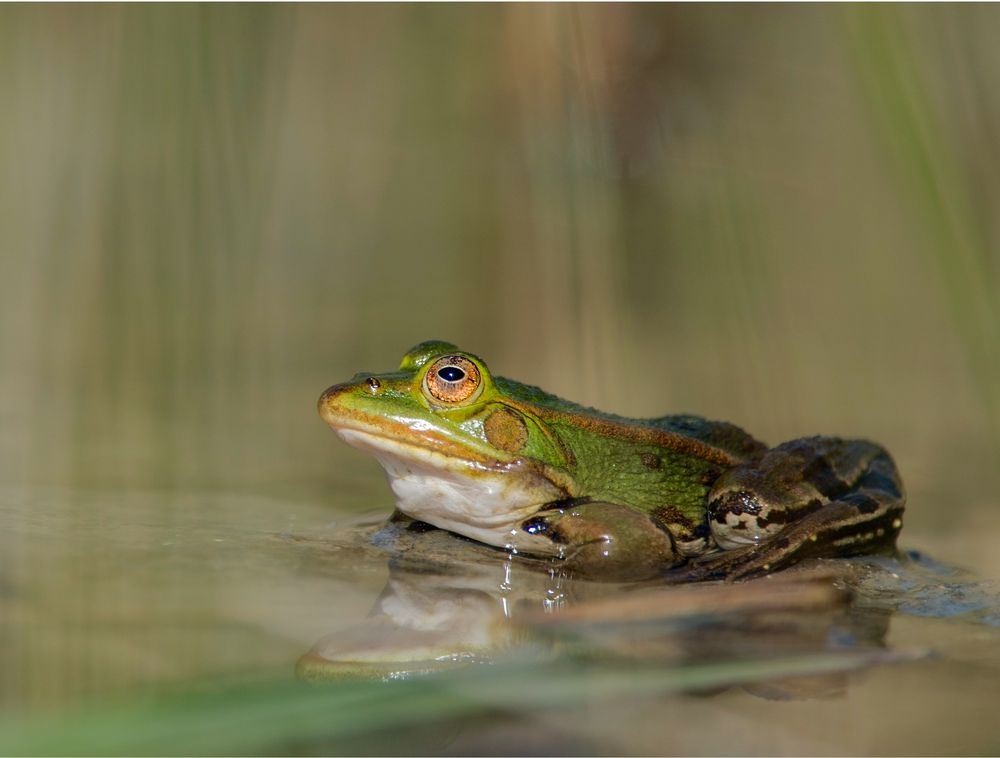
x=452, y=379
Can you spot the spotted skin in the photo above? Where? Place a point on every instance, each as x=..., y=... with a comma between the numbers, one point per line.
x=807, y=498
x=812, y=497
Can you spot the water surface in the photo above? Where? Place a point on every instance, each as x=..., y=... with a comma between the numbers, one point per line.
x=132, y=618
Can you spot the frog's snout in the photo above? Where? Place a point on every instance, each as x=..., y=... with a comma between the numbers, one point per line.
x=331, y=403
x=327, y=403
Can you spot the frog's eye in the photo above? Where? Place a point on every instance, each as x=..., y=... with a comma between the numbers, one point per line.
x=453, y=379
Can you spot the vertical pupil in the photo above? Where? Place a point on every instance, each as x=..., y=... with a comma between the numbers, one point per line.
x=451, y=374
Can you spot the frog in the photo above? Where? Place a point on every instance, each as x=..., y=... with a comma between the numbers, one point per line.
x=507, y=464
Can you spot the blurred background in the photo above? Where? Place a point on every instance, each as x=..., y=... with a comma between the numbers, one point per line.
x=782, y=216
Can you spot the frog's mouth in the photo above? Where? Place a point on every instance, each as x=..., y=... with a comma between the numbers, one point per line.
x=483, y=499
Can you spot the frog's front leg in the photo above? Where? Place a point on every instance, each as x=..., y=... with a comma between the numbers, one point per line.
x=605, y=540
x=813, y=497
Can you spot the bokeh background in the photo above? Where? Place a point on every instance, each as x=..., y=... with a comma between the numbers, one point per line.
x=783, y=216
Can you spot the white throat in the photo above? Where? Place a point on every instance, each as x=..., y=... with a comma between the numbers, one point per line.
x=461, y=496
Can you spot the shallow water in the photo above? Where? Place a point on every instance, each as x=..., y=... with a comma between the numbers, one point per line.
x=303, y=632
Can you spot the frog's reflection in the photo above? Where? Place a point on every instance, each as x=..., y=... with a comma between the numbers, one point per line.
x=450, y=602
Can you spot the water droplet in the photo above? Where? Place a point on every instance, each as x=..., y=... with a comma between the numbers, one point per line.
x=511, y=545
x=506, y=585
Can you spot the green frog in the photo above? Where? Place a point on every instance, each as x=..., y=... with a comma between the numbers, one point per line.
x=512, y=466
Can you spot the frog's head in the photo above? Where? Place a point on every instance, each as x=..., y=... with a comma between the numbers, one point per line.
x=460, y=453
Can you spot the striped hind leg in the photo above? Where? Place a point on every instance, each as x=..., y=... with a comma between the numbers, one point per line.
x=813, y=497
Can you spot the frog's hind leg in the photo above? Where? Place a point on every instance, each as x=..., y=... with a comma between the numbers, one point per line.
x=814, y=497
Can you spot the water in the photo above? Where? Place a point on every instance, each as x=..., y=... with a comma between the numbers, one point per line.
x=213, y=603
x=109, y=591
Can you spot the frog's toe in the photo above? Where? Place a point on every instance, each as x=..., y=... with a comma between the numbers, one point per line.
x=729, y=565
